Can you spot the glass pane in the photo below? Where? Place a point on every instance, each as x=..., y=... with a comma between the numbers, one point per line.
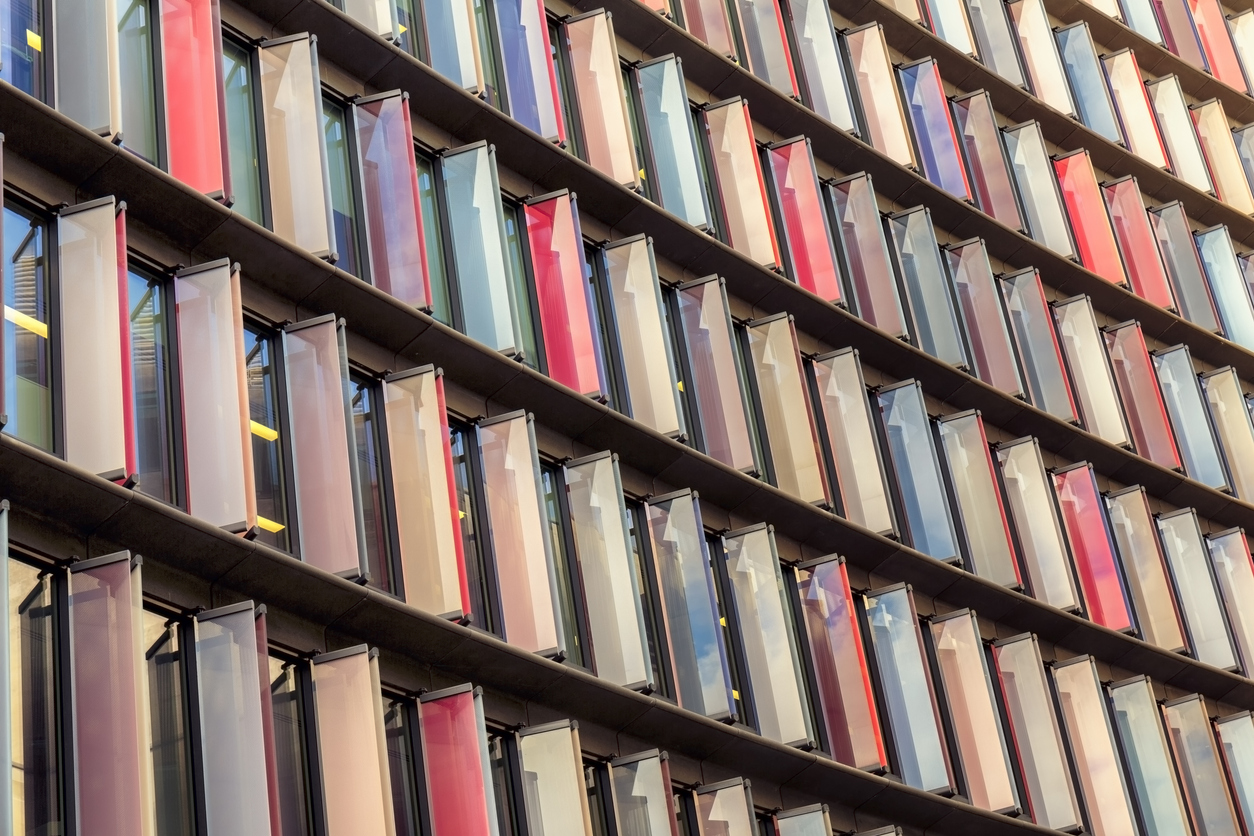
x=1142, y=19
x=707, y=335
x=524, y=564
x=1145, y=568
x=530, y=82
x=673, y=149
x=782, y=393
x=811, y=821
x=268, y=445
x=986, y=158
x=764, y=622
x=433, y=230
x=375, y=15
x=430, y=546
x=1232, y=426
x=820, y=64
x=807, y=239
x=766, y=44
x=1184, y=267
x=315, y=367
x=841, y=679
x=906, y=687
x=27, y=352
x=1212, y=33
x=241, y=122
x=1094, y=238
x=865, y=253
x=689, y=609
x=1149, y=762
x=1244, y=139
x=452, y=42
x=1029, y=161
x=1236, y=737
x=552, y=780
x=1091, y=373
x=344, y=209
x=725, y=809
x=1179, y=33
x=352, y=746
x=934, y=135
x=600, y=529
x=1092, y=547
x=455, y=751
x=368, y=467
x=1146, y=275
x=1241, y=27
x=1199, y=599
x=219, y=465
x=1132, y=102
x=291, y=116
x=168, y=722
x=1083, y=709
x=949, y=21
x=1185, y=407
x=738, y=176
x=22, y=46
x=1176, y=124
x=401, y=764
x=1035, y=518
x=975, y=717
x=877, y=90
x=88, y=83
x=995, y=40
x=289, y=743
x=1088, y=82
x=927, y=287
x=1230, y=555
x=598, y=86
x=1227, y=285
x=151, y=394
x=1040, y=54
x=642, y=796
x=136, y=78
x=1034, y=734
x=992, y=353
x=1205, y=788
x=1215, y=135
x=1033, y=332
x=709, y=23
x=990, y=549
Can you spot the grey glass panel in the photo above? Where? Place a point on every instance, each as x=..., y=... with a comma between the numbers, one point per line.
x=1029, y=162
x=1236, y=739
x=1227, y=285
x=766, y=46
x=668, y=127
x=1035, y=518
x=1184, y=266
x=552, y=782
x=1199, y=599
x=1145, y=568
x=924, y=501
x=1201, y=772
x=907, y=690
x=1090, y=369
x=819, y=59
x=1088, y=82
x=1183, y=398
x=995, y=39
x=1136, y=719
x=858, y=228
x=1233, y=427
x=1176, y=125
x=1230, y=556
x=642, y=797
x=88, y=68
x=1033, y=331
x=1040, y=54
x=927, y=287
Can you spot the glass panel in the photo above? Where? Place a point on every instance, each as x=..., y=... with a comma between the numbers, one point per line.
x=602, y=106
x=477, y=234
x=364, y=394
x=1088, y=82
x=1146, y=275
x=865, y=253
x=219, y=465
x=707, y=334
x=1132, y=102
x=552, y=780
x=1185, y=407
x=986, y=158
x=725, y=809
x=1088, y=534
x=455, y=751
x=268, y=444
x=191, y=55
x=452, y=42
x=992, y=353
x=995, y=40
x=316, y=370
x=927, y=107
x=1040, y=54
x=820, y=64
x=95, y=385
x=1227, y=285
x=292, y=117
x=345, y=212
x=398, y=724
x=241, y=119
x=781, y=391
x=811, y=260
x=1205, y=788
x=376, y=15
x=22, y=46
x=1176, y=124
x=1029, y=161
x=927, y=288
x=877, y=90
x=431, y=559
x=1149, y=763
x=1035, y=518
x=289, y=742
x=1230, y=556
x=764, y=622
x=88, y=67
x=1094, y=238
x=766, y=44
x=1145, y=568
x=643, y=804
x=1244, y=139
x=1090, y=370
x=150, y=369
x=1232, y=425
x=841, y=678
x=907, y=8
x=524, y=564
x=689, y=610
x=1034, y=336
x=1034, y=734
x=1236, y=737
x=1142, y=19
x=949, y=21
x=1215, y=135
x=433, y=230
x=811, y=821
x=738, y=176
x=673, y=149
x=136, y=79
x=976, y=721
x=27, y=352
x=912, y=455
x=352, y=745
x=919, y=742
x=1179, y=34
x=1212, y=33
x=1241, y=28
x=530, y=81
x=990, y=549
x=1199, y=599
x=841, y=398
x=109, y=692
x=168, y=723
x=1184, y=267
x=709, y=23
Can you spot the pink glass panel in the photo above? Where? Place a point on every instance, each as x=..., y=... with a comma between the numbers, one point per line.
x=1146, y=274
x=806, y=236
x=1179, y=36
x=1142, y=401
x=454, y=750
x=597, y=82
x=566, y=317
x=881, y=105
x=1212, y=31
x=862, y=241
x=1220, y=150
x=191, y=52
x=738, y=176
x=980, y=302
x=844, y=686
x=986, y=159
x=1094, y=238
x=708, y=21
x=1092, y=547
x=1127, y=88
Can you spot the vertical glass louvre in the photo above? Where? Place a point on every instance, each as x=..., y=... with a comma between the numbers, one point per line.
x=823, y=77
x=460, y=789
x=1090, y=223
x=1183, y=396
x=766, y=44
x=1141, y=18
x=668, y=132
x=806, y=821
x=994, y=39
x=864, y=253
x=1145, y=567
x=1092, y=547
x=810, y=258
x=1212, y=33
x=1176, y=124
x=1040, y=54
x=726, y=808
x=877, y=91
x=644, y=802
x=1038, y=188
x=527, y=67
x=452, y=42
x=597, y=84
x=1179, y=33
x=992, y=353
x=555, y=800
x=1241, y=28
x=1088, y=82
x=738, y=177
x=1227, y=285
x=1184, y=265
x=987, y=166
x=195, y=99
x=949, y=22
x=1201, y=771
x=1146, y=275
x=1215, y=135
x=928, y=111
x=1091, y=373
x=1230, y=556
x=710, y=24
x=88, y=72
x=1231, y=417
x=1127, y=89
x=1037, y=344
x=1236, y=736
x=379, y=16
x=1137, y=720
x=1204, y=619
x=930, y=295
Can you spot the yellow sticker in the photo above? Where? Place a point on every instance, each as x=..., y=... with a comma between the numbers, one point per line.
x=404, y=29
x=680, y=385
x=735, y=694
x=34, y=41
x=25, y=321
x=269, y=525
x=262, y=431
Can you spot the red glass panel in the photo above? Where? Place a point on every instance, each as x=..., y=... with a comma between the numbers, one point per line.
x=807, y=240
x=1095, y=240
x=191, y=53
x=1092, y=547
x=1142, y=401
x=1212, y=31
x=1146, y=274
x=566, y=318
x=453, y=743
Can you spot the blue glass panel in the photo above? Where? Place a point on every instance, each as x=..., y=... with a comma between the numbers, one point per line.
x=1088, y=82
x=928, y=112
x=928, y=291
x=1227, y=285
x=820, y=64
x=530, y=87
x=1183, y=397
x=21, y=45
x=449, y=26
x=672, y=146
x=1154, y=784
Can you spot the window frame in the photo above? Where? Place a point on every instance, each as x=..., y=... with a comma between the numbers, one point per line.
x=264, y=330
x=362, y=378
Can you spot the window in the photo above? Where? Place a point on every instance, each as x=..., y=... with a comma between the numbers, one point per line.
x=241, y=120
x=399, y=722
x=1092, y=547
x=345, y=217
x=288, y=694
x=1146, y=275
x=882, y=113
x=929, y=293
x=139, y=73
x=1145, y=567
x=987, y=167
x=376, y=499
x=269, y=453
x=864, y=253
x=1176, y=123
x=802, y=821
x=1212, y=33
x=1090, y=223
x=1131, y=99
x=1139, y=724
x=152, y=368
x=1236, y=734
x=450, y=41
x=1241, y=27
x=739, y=189
x=378, y=17
x=27, y=314
x=1032, y=328
x=1040, y=54
x=1091, y=373
x=460, y=786
x=1088, y=82
x=1038, y=188
x=725, y=807
x=949, y=22
x=22, y=51
x=710, y=24
x=467, y=477
x=1142, y=403
x=934, y=137
x=1141, y=18
x=992, y=352
x=1205, y=621
x=1214, y=133
x=1230, y=556
x=809, y=256
x=673, y=162
x=166, y=661
x=1231, y=417
x=87, y=64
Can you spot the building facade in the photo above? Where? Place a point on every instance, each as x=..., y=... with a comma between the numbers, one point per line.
x=627, y=418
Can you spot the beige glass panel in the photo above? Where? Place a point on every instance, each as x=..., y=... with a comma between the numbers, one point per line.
x=91, y=340
x=1230, y=555
x=217, y=439
x=425, y=504
x=291, y=96
x=375, y=15
x=88, y=73
x=1232, y=424
x=356, y=779
x=1132, y=101
x=555, y=800
x=793, y=442
x=725, y=812
x=597, y=80
x=1176, y=124
x=1040, y=54
x=1132, y=525
x=1215, y=135
x=738, y=175
x=1085, y=350
x=877, y=87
